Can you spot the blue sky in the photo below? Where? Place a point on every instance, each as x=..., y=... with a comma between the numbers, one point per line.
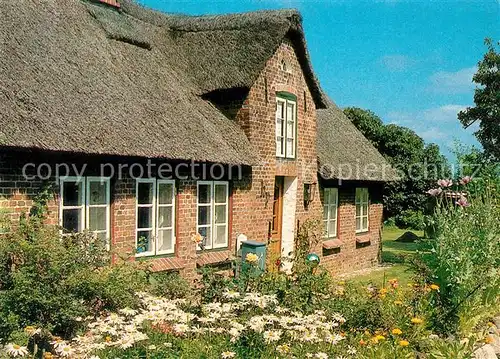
x=411, y=62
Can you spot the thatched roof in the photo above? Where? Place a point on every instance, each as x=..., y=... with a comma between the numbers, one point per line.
x=229, y=51
x=343, y=151
x=85, y=78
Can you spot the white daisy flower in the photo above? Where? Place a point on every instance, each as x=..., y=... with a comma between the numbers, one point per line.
x=15, y=350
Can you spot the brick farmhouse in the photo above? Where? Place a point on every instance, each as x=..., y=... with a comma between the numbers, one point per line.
x=148, y=128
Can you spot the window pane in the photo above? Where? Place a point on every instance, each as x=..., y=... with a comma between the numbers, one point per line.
x=333, y=196
x=280, y=143
x=72, y=219
x=333, y=212
x=290, y=129
x=358, y=210
x=220, y=214
x=220, y=193
x=325, y=212
x=205, y=233
x=102, y=236
x=290, y=111
x=164, y=217
x=72, y=192
x=220, y=235
x=204, y=215
x=204, y=195
x=366, y=195
x=289, y=147
x=365, y=223
x=97, y=219
x=97, y=192
x=144, y=241
x=332, y=228
x=144, y=193
x=279, y=127
x=358, y=223
x=144, y=217
x=279, y=109
x=165, y=242
x=165, y=193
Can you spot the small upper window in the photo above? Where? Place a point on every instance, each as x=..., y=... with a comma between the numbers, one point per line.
x=362, y=210
x=286, y=124
x=284, y=66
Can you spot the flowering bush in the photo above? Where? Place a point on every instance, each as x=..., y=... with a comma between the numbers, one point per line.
x=49, y=281
x=463, y=258
x=254, y=325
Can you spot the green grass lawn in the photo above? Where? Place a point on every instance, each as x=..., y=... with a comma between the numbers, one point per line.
x=393, y=258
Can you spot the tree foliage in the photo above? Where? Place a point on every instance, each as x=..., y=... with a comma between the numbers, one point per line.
x=419, y=164
x=487, y=102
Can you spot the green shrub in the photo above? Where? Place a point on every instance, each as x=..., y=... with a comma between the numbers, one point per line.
x=169, y=285
x=464, y=260
x=52, y=281
x=410, y=219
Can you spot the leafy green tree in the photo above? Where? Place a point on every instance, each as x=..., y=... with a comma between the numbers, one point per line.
x=367, y=122
x=487, y=102
x=419, y=164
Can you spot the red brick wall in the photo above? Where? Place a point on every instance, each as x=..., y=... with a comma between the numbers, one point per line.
x=352, y=256
x=257, y=117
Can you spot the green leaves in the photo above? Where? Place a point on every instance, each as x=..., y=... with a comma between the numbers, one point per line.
x=487, y=102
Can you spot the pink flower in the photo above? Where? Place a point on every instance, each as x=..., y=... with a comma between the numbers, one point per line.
x=465, y=180
x=445, y=183
x=435, y=192
x=462, y=202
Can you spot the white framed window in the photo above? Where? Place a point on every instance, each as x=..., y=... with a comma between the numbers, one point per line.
x=286, y=126
x=362, y=210
x=212, y=219
x=155, y=217
x=330, y=205
x=85, y=205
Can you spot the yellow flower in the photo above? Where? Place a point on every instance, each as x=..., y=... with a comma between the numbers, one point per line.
x=434, y=287
x=47, y=355
x=397, y=331
x=404, y=343
x=380, y=337
x=383, y=291
x=251, y=258
x=416, y=320
x=398, y=302
x=489, y=339
x=197, y=238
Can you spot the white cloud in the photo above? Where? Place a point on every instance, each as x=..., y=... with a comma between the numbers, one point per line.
x=427, y=117
x=453, y=82
x=396, y=63
x=433, y=125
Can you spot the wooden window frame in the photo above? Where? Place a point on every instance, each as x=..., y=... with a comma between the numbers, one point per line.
x=328, y=205
x=283, y=138
x=85, y=204
x=361, y=194
x=155, y=220
x=212, y=225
